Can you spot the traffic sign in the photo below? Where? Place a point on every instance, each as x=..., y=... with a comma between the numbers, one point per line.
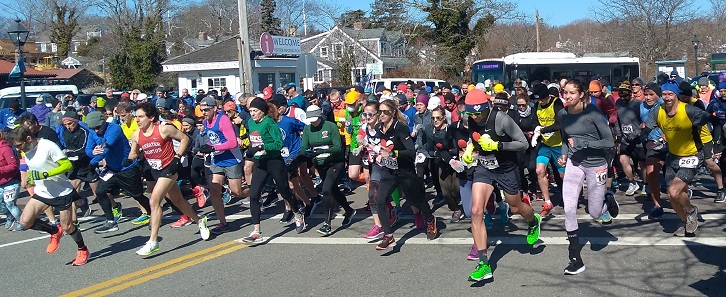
x=266, y=44
x=307, y=65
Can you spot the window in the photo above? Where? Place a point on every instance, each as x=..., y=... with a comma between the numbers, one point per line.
x=319, y=76
x=194, y=84
x=54, y=47
x=286, y=78
x=324, y=52
x=217, y=82
x=44, y=47
x=351, y=50
x=338, y=50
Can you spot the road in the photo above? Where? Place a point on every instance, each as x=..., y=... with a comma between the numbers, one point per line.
x=632, y=256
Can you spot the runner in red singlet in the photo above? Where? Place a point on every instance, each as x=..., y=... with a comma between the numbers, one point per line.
x=155, y=141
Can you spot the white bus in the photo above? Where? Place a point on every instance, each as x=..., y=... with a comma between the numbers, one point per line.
x=553, y=67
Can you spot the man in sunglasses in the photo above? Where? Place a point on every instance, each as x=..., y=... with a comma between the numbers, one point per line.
x=637, y=89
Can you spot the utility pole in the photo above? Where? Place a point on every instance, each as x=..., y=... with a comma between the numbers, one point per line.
x=305, y=20
x=243, y=44
x=536, y=26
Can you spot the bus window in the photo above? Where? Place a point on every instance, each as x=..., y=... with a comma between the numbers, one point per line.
x=541, y=73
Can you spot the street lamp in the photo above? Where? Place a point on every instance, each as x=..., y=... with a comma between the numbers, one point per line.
x=695, y=51
x=19, y=34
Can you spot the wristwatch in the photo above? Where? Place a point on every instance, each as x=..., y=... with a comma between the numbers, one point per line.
x=391, y=154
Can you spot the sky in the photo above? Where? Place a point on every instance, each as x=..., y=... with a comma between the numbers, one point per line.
x=553, y=12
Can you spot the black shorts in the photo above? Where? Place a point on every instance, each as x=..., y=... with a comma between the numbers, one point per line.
x=85, y=174
x=129, y=181
x=354, y=160
x=166, y=172
x=293, y=169
x=60, y=203
x=635, y=151
x=685, y=171
x=708, y=150
x=506, y=180
x=659, y=154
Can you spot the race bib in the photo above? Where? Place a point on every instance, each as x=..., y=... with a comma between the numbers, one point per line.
x=106, y=175
x=627, y=129
x=601, y=176
x=389, y=163
x=9, y=195
x=154, y=164
x=489, y=161
x=74, y=158
x=550, y=134
x=688, y=162
x=420, y=158
x=285, y=152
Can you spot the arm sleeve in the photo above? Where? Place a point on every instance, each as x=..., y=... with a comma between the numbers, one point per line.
x=506, y=125
x=92, y=141
x=12, y=161
x=610, y=110
x=651, y=123
x=606, y=136
x=697, y=116
x=556, y=126
x=56, y=155
x=225, y=125
x=275, y=135
x=337, y=146
x=409, y=150
x=305, y=145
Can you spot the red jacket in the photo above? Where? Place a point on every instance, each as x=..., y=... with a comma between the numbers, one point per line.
x=8, y=163
x=607, y=107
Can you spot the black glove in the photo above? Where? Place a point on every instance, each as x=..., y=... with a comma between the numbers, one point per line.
x=310, y=153
x=206, y=149
x=127, y=163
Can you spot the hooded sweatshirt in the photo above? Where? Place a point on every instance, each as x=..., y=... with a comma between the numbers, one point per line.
x=40, y=111
x=9, y=171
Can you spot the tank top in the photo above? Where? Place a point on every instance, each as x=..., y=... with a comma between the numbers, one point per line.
x=546, y=118
x=495, y=161
x=159, y=152
x=682, y=139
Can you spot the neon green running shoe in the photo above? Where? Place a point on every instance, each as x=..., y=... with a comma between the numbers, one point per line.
x=482, y=272
x=533, y=233
x=141, y=220
x=117, y=212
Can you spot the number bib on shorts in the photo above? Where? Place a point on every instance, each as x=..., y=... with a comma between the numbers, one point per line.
x=155, y=164
x=688, y=162
x=489, y=161
x=627, y=129
x=9, y=195
x=601, y=176
x=420, y=158
x=389, y=163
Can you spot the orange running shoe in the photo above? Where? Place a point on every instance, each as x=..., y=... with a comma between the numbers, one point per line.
x=547, y=208
x=55, y=241
x=81, y=257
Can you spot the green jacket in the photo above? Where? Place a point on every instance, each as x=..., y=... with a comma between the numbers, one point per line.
x=265, y=136
x=325, y=141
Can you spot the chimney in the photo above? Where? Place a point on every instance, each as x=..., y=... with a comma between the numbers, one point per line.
x=202, y=35
x=292, y=31
x=358, y=25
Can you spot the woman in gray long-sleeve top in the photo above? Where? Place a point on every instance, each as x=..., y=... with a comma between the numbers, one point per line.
x=587, y=139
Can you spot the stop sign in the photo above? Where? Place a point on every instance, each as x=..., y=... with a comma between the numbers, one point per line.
x=266, y=44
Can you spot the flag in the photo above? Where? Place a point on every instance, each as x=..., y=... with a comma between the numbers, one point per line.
x=18, y=70
x=366, y=82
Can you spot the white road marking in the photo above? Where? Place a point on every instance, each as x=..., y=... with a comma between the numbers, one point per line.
x=514, y=240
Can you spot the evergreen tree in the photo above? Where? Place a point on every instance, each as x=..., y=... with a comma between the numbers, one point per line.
x=63, y=25
x=350, y=17
x=387, y=14
x=270, y=23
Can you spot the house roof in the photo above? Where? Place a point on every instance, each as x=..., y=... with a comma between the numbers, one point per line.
x=63, y=73
x=223, y=51
x=6, y=67
x=379, y=33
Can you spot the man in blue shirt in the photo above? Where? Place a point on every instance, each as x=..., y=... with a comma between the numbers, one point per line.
x=9, y=114
x=295, y=98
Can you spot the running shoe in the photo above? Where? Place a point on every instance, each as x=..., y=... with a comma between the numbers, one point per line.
x=317, y=181
x=575, y=267
x=219, y=229
x=457, y=216
x=9, y=222
x=392, y=215
x=644, y=190
x=431, y=229
x=526, y=199
x=254, y=236
x=482, y=272
x=533, y=231
x=300, y=223
x=655, y=213
x=720, y=197
x=419, y=221
x=81, y=257
x=503, y=212
x=286, y=217
x=375, y=233
x=226, y=195
x=690, y=194
x=17, y=227
x=488, y=221
x=473, y=254
x=245, y=202
x=54, y=241
x=143, y=219
x=325, y=229
x=117, y=212
x=613, y=206
x=632, y=188
x=386, y=242
x=203, y=228
x=605, y=218
x=85, y=208
x=183, y=220
x=547, y=208
x=108, y=226
x=538, y=196
x=270, y=201
x=681, y=231
x=148, y=248
x=199, y=194
x=348, y=217
x=347, y=186
x=692, y=220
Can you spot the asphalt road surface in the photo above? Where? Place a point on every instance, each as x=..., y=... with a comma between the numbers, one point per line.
x=632, y=256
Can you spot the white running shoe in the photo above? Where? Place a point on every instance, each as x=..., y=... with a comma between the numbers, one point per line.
x=203, y=228
x=148, y=248
x=632, y=188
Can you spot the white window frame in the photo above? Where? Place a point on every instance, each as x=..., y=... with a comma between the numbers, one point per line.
x=319, y=76
x=324, y=51
x=336, y=53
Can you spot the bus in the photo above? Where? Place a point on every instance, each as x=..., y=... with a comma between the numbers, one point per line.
x=553, y=67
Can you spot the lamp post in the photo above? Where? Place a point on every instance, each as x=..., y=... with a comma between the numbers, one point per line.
x=19, y=34
x=695, y=51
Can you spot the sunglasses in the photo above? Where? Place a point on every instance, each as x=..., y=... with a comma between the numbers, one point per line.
x=205, y=109
x=369, y=114
x=636, y=85
x=438, y=118
x=521, y=105
x=109, y=113
x=386, y=112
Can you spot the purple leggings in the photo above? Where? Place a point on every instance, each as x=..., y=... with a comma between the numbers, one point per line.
x=572, y=186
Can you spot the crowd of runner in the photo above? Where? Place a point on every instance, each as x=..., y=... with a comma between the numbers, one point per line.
x=486, y=150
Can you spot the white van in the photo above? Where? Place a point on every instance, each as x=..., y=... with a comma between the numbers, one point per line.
x=391, y=83
x=32, y=92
